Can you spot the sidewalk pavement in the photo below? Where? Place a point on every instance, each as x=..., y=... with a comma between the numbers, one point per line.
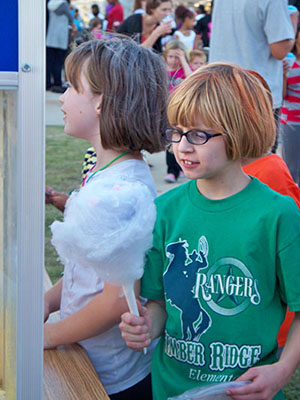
x=55, y=117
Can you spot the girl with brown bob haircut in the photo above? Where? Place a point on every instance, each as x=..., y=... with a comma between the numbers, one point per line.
x=226, y=248
x=132, y=84
x=117, y=102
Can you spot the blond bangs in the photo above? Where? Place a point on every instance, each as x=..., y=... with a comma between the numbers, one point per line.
x=228, y=99
x=194, y=99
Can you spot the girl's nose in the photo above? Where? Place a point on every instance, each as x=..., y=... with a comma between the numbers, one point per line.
x=61, y=98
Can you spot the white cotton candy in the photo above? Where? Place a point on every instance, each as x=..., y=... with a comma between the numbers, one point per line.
x=107, y=225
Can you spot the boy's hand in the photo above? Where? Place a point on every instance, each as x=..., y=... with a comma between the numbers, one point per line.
x=136, y=331
x=46, y=310
x=286, y=67
x=48, y=193
x=266, y=381
x=59, y=200
x=47, y=336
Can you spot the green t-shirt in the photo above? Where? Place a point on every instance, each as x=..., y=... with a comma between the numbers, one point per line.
x=226, y=270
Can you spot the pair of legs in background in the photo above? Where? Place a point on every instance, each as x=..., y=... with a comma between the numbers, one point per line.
x=173, y=169
x=55, y=59
x=290, y=135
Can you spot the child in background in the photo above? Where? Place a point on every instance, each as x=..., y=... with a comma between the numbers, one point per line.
x=107, y=80
x=115, y=16
x=273, y=171
x=178, y=68
x=226, y=248
x=177, y=64
x=96, y=26
x=139, y=7
x=185, y=33
x=290, y=114
x=196, y=59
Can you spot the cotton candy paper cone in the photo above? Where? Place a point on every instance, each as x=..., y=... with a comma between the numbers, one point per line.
x=128, y=290
x=130, y=298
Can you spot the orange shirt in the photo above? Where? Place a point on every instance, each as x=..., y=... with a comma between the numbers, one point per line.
x=273, y=171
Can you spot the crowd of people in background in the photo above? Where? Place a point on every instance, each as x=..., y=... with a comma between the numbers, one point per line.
x=221, y=123
x=153, y=25
x=66, y=29
x=182, y=38
x=182, y=35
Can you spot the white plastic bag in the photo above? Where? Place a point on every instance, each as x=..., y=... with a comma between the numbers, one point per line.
x=209, y=392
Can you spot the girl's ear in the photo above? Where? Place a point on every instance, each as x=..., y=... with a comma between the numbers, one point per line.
x=99, y=104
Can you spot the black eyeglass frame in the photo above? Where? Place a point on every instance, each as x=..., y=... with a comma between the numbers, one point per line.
x=186, y=134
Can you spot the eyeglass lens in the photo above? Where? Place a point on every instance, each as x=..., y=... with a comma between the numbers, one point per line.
x=193, y=136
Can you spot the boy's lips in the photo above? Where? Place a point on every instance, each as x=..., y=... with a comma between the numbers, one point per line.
x=189, y=163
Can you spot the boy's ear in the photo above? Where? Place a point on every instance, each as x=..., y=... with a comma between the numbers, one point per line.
x=99, y=104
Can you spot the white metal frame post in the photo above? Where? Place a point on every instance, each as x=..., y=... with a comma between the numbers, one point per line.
x=30, y=208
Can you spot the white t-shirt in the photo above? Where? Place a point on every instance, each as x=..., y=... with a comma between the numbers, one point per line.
x=188, y=41
x=107, y=221
x=139, y=11
x=199, y=16
x=242, y=31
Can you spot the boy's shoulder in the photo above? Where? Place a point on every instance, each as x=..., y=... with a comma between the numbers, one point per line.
x=261, y=197
x=178, y=194
x=274, y=201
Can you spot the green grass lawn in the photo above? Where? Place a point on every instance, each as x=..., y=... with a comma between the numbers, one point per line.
x=292, y=390
x=64, y=156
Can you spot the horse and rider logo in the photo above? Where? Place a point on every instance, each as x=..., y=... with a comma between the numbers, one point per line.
x=227, y=287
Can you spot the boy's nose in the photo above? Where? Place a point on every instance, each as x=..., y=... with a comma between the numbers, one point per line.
x=185, y=146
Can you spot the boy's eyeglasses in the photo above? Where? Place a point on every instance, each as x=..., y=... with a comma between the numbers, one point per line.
x=194, y=136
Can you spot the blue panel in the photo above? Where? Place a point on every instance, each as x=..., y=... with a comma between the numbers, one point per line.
x=9, y=35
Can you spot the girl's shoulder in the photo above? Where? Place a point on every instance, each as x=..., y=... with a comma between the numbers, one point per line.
x=178, y=33
x=296, y=64
x=294, y=69
x=190, y=33
x=179, y=72
x=193, y=33
x=132, y=24
x=132, y=176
